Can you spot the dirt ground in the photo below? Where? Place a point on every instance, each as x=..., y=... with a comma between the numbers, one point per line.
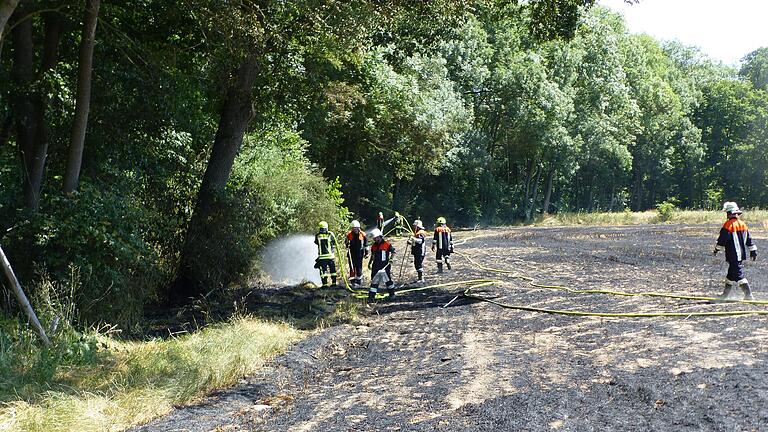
x=415, y=365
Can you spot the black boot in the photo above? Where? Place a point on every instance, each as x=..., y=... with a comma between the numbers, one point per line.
x=391, y=292
x=439, y=267
x=333, y=282
x=371, y=296
x=421, y=276
x=325, y=282
x=447, y=264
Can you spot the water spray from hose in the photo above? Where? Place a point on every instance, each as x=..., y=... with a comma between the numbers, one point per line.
x=291, y=260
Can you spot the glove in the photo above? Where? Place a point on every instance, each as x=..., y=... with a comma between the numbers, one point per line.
x=410, y=240
x=753, y=255
x=317, y=264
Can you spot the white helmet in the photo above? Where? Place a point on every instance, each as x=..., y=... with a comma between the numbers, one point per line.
x=376, y=233
x=418, y=223
x=355, y=224
x=731, y=207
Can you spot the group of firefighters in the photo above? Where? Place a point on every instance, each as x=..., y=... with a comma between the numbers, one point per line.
x=734, y=239
x=380, y=252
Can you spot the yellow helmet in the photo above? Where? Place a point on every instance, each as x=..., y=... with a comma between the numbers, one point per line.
x=323, y=225
x=441, y=220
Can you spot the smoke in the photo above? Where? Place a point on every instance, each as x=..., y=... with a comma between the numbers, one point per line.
x=291, y=260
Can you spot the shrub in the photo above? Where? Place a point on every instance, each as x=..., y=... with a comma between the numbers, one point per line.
x=273, y=191
x=666, y=210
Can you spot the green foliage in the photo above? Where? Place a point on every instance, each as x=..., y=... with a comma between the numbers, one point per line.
x=666, y=209
x=273, y=191
x=104, y=237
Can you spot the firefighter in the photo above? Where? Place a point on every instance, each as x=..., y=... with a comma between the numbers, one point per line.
x=735, y=240
x=380, y=264
x=418, y=244
x=399, y=228
x=326, y=248
x=380, y=221
x=443, y=242
x=357, y=248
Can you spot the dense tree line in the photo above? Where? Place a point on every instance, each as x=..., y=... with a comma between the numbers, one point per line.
x=149, y=149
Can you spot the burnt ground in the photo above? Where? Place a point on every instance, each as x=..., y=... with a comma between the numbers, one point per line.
x=414, y=365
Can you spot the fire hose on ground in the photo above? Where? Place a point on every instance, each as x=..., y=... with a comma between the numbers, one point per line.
x=477, y=283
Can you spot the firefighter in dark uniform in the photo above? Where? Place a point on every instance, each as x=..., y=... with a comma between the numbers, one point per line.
x=380, y=264
x=418, y=244
x=326, y=248
x=734, y=238
x=380, y=221
x=357, y=247
x=442, y=241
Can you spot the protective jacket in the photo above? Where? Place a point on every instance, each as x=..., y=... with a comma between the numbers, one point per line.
x=356, y=243
x=325, y=245
x=381, y=254
x=419, y=245
x=735, y=239
x=442, y=240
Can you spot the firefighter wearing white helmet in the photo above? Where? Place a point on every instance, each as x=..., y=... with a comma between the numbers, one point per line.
x=326, y=248
x=734, y=238
x=357, y=249
x=380, y=264
x=418, y=244
x=442, y=243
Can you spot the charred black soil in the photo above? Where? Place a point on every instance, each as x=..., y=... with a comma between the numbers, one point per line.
x=414, y=365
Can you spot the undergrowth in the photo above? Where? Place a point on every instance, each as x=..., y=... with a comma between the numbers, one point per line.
x=93, y=381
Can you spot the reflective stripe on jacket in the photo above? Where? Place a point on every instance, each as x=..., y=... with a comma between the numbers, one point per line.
x=325, y=246
x=442, y=239
x=735, y=239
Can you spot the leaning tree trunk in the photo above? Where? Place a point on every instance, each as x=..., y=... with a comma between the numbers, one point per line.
x=236, y=113
x=6, y=10
x=83, y=100
x=36, y=168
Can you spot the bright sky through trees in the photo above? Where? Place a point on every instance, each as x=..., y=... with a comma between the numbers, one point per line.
x=726, y=31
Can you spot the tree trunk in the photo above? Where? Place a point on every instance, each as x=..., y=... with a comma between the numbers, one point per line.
x=534, y=194
x=22, y=106
x=548, y=191
x=236, y=113
x=36, y=169
x=6, y=10
x=6, y=129
x=83, y=99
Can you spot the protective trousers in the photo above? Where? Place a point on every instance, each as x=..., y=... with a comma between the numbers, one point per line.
x=441, y=257
x=418, y=264
x=327, y=268
x=355, y=267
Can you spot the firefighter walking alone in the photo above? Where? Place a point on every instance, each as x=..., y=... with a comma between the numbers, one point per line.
x=357, y=249
x=734, y=238
x=380, y=264
x=418, y=244
x=442, y=241
x=326, y=248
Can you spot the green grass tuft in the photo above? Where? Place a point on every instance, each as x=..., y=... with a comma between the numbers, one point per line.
x=129, y=383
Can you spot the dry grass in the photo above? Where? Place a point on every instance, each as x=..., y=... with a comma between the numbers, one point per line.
x=756, y=217
x=132, y=382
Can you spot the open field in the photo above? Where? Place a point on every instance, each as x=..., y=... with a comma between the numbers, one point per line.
x=414, y=365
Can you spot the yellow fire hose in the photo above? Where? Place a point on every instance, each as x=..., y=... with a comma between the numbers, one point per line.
x=477, y=283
